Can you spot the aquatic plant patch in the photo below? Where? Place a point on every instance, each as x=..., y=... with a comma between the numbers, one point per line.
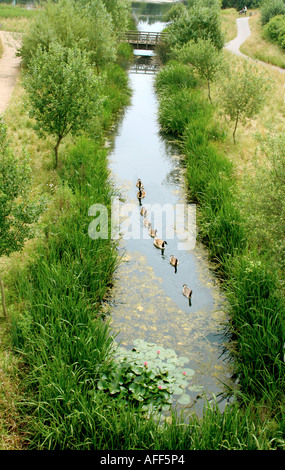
x=149, y=375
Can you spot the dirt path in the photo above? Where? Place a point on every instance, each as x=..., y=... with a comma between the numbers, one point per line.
x=243, y=32
x=9, y=68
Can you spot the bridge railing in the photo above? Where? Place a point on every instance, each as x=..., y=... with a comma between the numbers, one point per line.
x=138, y=37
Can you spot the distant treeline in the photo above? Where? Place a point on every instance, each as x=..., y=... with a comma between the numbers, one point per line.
x=239, y=4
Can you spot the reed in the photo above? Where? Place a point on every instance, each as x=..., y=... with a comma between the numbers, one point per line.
x=255, y=303
x=60, y=332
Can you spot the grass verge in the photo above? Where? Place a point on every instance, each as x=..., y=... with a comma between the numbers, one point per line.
x=253, y=287
x=62, y=271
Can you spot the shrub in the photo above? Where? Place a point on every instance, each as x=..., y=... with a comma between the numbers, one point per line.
x=176, y=110
x=271, y=8
x=275, y=30
x=174, y=76
x=197, y=22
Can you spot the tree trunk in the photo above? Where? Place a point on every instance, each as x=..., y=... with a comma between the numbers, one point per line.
x=56, y=150
x=234, y=133
x=209, y=92
x=3, y=298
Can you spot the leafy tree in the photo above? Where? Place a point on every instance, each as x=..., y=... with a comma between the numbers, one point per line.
x=84, y=25
x=17, y=211
x=203, y=56
x=239, y=4
x=100, y=37
x=175, y=12
x=243, y=92
x=120, y=10
x=271, y=8
x=63, y=92
x=197, y=22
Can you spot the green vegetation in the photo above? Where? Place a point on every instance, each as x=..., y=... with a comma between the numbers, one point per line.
x=239, y=4
x=63, y=91
x=200, y=22
x=64, y=342
x=73, y=24
x=204, y=57
x=234, y=229
x=274, y=30
x=16, y=18
x=256, y=305
x=243, y=93
x=271, y=8
x=273, y=22
x=73, y=394
x=11, y=11
x=17, y=211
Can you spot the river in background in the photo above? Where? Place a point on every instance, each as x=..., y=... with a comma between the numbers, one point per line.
x=147, y=301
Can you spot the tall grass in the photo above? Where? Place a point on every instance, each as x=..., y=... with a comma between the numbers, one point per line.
x=65, y=344
x=57, y=326
x=64, y=341
x=256, y=306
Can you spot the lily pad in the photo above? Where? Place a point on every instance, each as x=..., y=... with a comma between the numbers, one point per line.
x=177, y=391
x=183, y=360
x=196, y=388
x=184, y=399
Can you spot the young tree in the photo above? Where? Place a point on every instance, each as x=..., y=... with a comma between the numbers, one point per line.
x=100, y=37
x=206, y=59
x=243, y=92
x=17, y=212
x=83, y=24
x=63, y=92
x=120, y=11
x=199, y=21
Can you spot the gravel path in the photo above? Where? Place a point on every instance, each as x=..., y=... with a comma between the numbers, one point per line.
x=9, y=68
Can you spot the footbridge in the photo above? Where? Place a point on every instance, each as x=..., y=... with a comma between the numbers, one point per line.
x=142, y=40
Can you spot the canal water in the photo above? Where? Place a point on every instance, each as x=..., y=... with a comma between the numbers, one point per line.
x=148, y=307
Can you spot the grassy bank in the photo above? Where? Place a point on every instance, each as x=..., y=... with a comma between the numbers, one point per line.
x=60, y=332
x=251, y=279
x=55, y=286
x=61, y=338
x=228, y=23
x=64, y=345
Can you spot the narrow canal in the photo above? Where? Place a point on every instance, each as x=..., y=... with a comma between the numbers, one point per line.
x=148, y=304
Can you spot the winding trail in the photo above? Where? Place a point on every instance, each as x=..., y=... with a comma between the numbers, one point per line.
x=9, y=68
x=243, y=32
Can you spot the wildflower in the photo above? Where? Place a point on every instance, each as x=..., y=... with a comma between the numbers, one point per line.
x=145, y=363
x=184, y=373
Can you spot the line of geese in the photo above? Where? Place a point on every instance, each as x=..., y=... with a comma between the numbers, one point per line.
x=186, y=291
